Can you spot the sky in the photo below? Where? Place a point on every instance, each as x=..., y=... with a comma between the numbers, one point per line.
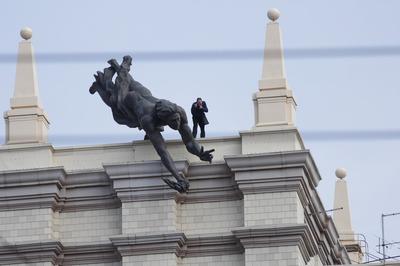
x=336, y=92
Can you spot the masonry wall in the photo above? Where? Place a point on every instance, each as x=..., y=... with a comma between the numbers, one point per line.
x=151, y=260
x=273, y=208
x=149, y=216
x=234, y=214
x=28, y=225
x=89, y=226
x=211, y=217
x=223, y=260
x=273, y=256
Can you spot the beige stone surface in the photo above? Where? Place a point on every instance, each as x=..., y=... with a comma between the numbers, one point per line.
x=273, y=208
x=224, y=260
x=274, y=103
x=89, y=226
x=149, y=216
x=27, y=226
x=211, y=217
x=273, y=256
x=26, y=122
x=151, y=260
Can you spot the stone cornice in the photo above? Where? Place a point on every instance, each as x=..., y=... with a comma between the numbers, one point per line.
x=53, y=188
x=26, y=253
x=173, y=242
x=142, y=169
x=142, y=181
x=32, y=176
x=276, y=172
x=179, y=244
x=89, y=254
x=31, y=188
x=27, y=147
x=213, y=245
x=275, y=236
x=88, y=190
x=274, y=161
x=211, y=183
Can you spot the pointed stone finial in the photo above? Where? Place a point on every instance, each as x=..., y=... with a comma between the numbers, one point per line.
x=342, y=217
x=26, y=122
x=274, y=103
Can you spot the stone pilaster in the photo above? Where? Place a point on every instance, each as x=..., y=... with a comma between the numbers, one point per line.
x=148, y=204
x=283, y=215
x=150, y=213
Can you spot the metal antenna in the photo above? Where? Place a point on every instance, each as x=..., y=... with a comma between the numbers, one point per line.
x=383, y=233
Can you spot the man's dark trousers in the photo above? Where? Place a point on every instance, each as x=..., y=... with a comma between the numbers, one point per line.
x=201, y=125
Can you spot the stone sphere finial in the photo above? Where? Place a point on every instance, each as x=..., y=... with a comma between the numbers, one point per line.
x=341, y=173
x=273, y=14
x=26, y=33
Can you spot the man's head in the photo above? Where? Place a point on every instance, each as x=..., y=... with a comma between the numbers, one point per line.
x=199, y=101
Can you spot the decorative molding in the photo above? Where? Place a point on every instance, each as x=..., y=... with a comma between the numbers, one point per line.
x=277, y=236
x=25, y=253
x=27, y=147
x=213, y=245
x=278, y=164
x=89, y=254
x=142, y=181
x=144, y=244
x=293, y=171
x=88, y=190
x=211, y=183
x=31, y=188
x=53, y=188
x=179, y=244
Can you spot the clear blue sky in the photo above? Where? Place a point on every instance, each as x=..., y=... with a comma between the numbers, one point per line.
x=343, y=93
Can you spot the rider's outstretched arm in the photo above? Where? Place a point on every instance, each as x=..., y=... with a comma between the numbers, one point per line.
x=192, y=146
x=159, y=145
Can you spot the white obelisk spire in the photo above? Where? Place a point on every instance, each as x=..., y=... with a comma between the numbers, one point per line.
x=274, y=104
x=26, y=122
x=342, y=217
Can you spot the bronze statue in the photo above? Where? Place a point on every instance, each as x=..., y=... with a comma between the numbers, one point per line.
x=133, y=105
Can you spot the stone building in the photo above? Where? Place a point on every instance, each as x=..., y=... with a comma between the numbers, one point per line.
x=256, y=204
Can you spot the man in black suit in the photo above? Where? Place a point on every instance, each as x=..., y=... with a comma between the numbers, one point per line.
x=199, y=108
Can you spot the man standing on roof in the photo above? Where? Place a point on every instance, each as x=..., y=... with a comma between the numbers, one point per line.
x=199, y=108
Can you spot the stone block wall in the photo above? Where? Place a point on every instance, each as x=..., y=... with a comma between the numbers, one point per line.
x=273, y=208
x=211, y=217
x=151, y=260
x=222, y=260
x=27, y=225
x=89, y=225
x=149, y=216
x=274, y=256
x=249, y=210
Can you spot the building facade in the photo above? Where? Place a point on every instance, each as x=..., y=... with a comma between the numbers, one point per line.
x=256, y=204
